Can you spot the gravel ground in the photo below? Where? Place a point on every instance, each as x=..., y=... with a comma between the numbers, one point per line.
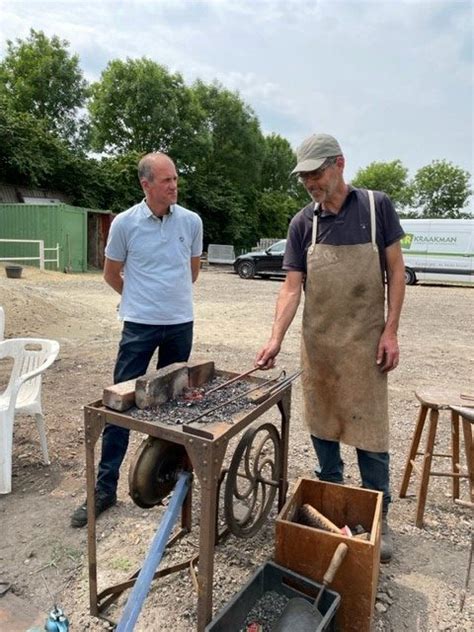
x=420, y=590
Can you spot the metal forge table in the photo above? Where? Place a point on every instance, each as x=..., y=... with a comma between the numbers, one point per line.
x=206, y=448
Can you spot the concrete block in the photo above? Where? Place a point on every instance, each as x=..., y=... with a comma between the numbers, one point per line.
x=200, y=373
x=157, y=387
x=120, y=397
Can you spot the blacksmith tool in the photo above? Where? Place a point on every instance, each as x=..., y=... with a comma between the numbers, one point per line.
x=234, y=379
x=314, y=518
x=275, y=388
x=233, y=399
x=301, y=615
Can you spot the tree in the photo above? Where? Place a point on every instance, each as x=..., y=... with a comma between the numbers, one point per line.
x=389, y=177
x=139, y=106
x=121, y=187
x=281, y=196
x=442, y=190
x=29, y=153
x=224, y=181
x=221, y=206
x=234, y=142
x=275, y=210
x=39, y=77
x=278, y=161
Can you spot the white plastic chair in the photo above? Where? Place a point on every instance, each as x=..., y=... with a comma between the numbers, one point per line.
x=31, y=356
x=2, y=323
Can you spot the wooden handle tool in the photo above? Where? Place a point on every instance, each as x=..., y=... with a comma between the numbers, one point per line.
x=314, y=518
x=336, y=561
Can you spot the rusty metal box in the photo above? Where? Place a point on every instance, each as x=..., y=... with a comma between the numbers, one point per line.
x=308, y=550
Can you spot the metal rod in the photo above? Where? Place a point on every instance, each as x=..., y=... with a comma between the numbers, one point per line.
x=286, y=381
x=260, y=479
x=468, y=575
x=234, y=379
x=273, y=390
x=233, y=399
x=142, y=585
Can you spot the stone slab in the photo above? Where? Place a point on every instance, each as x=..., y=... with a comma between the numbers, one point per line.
x=120, y=396
x=200, y=373
x=157, y=387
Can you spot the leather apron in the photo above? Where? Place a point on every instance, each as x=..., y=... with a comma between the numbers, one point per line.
x=344, y=391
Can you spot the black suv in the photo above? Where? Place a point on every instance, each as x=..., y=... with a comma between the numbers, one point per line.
x=264, y=263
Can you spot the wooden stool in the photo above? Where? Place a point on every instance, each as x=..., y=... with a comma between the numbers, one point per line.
x=434, y=401
x=467, y=415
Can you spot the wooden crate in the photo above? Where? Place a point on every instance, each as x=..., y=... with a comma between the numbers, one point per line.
x=308, y=551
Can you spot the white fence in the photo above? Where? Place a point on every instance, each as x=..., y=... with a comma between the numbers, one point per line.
x=42, y=250
x=220, y=253
x=226, y=254
x=266, y=242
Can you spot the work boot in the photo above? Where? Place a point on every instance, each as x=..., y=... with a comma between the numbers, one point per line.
x=102, y=502
x=386, y=542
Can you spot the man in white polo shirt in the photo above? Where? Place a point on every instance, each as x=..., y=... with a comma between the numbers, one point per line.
x=152, y=260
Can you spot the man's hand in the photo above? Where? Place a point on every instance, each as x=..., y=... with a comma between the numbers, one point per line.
x=265, y=358
x=388, y=353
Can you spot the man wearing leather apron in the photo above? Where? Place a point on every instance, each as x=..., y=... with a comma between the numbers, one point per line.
x=341, y=248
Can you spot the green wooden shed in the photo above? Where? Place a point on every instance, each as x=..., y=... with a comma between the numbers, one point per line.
x=74, y=237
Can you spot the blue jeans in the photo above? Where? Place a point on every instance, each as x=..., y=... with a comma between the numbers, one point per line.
x=137, y=346
x=373, y=467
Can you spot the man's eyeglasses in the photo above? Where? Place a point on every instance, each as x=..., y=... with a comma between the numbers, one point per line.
x=317, y=173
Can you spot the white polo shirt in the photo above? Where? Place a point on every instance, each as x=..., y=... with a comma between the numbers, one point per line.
x=156, y=253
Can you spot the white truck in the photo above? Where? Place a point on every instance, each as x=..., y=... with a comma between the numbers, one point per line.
x=438, y=250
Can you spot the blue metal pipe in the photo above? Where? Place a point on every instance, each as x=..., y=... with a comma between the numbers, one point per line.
x=155, y=553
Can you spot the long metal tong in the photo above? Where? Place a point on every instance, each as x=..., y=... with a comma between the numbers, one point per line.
x=277, y=388
x=233, y=399
x=234, y=379
x=283, y=383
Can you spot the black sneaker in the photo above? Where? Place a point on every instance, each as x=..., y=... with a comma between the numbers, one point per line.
x=102, y=502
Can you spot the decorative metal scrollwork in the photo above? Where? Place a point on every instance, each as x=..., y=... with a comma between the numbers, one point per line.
x=252, y=480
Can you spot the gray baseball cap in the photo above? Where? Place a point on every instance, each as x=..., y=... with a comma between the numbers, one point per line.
x=314, y=150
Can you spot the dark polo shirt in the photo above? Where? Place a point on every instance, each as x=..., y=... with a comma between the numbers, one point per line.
x=349, y=227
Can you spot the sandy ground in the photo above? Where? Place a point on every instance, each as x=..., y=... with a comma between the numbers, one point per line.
x=45, y=559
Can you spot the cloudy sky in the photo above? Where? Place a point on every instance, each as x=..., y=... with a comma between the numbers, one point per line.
x=390, y=78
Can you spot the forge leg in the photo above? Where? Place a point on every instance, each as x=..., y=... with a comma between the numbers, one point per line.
x=284, y=406
x=206, y=458
x=94, y=424
x=207, y=541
